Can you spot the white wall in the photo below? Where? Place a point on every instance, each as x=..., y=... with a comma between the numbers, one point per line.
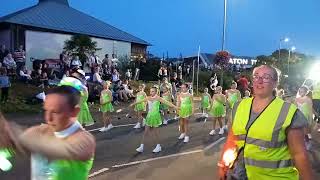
x=44, y=45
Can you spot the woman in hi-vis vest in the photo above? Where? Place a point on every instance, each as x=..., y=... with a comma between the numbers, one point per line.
x=266, y=140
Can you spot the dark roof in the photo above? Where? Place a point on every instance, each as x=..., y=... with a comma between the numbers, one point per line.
x=57, y=15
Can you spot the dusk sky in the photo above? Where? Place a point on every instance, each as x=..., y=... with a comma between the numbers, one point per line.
x=180, y=26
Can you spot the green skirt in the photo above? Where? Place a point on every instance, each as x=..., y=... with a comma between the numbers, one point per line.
x=153, y=119
x=140, y=107
x=84, y=116
x=205, y=104
x=185, y=111
x=107, y=107
x=217, y=110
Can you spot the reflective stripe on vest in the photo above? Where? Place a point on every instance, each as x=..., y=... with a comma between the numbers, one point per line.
x=269, y=164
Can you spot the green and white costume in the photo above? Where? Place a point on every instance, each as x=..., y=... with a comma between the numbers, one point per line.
x=217, y=109
x=166, y=98
x=84, y=116
x=140, y=106
x=185, y=107
x=205, y=103
x=107, y=107
x=153, y=118
x=232, y=99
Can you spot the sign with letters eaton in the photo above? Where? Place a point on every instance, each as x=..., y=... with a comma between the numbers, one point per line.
x=242, y=61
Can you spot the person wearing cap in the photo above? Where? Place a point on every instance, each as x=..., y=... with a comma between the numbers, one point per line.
x=84, y=116
x=60, y=149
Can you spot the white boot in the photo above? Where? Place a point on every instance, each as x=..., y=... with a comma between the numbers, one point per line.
x=140, y=148
x=182, y=135
x=103, y=129
x=165, y=122
x=221, y=131
x=143, y=122
x=213, y=132
x=186, y=139
x=137, y=126
x=157, y=149
x=110, y=126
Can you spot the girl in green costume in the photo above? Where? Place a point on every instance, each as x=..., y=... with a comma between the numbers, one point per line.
x=304, y=104
x=205, y=102
x=106, y=106
x=185, y=103
x=166, y=95
x=153, y=119
x=217, y=110
x=233, y=96
x=141, y=107
x=84, y=116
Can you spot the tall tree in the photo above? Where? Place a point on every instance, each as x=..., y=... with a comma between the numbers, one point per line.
x=80, y=45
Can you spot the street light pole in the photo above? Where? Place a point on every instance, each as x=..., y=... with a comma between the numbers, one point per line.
x=289, y=57
x=224, y=25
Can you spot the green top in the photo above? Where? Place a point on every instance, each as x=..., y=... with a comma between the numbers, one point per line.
x=233, y=98
x=83, y=100
x=67, y=169
x=44, y=169
x=205, y=101
x=106, y=98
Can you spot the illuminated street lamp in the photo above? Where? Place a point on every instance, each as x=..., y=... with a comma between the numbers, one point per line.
x=282, y=40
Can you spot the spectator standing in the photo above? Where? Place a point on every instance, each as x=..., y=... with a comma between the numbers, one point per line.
x=96, y=78
x=243, y=85
x=128, y=75
x=65, y=60
x=188, y=71
x=20, y=57
x=4, y=85
x=180, y=72
x=114, y=61
x=3, y=52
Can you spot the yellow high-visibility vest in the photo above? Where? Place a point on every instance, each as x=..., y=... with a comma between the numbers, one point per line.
x=316, y=91
x=266, y=153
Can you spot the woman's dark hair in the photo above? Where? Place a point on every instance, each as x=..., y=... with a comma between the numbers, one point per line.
x=71, y=94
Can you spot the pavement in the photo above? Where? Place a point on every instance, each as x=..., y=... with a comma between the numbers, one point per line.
x=116, y=157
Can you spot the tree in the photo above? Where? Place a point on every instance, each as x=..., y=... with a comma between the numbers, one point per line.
x=80, y=45
x=262, y=59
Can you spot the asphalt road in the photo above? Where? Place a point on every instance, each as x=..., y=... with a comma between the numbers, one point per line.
x=116, y=157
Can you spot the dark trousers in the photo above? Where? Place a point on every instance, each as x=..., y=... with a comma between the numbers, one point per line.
x=4, y=94
x=19, y=66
